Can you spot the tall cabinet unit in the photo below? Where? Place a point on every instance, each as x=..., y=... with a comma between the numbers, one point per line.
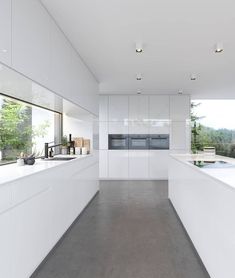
x=142, y=115
x=5, y=32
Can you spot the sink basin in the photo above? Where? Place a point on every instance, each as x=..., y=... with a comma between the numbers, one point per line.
x=60, y=158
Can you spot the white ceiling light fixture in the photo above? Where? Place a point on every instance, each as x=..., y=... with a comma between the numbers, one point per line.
x=193, y=77
x=139, y=47
x=139, y=77
x=219, y=47
x=139, y=92
x=180, y=92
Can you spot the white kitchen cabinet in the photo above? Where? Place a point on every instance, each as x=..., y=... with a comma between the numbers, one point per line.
x=138, y=127
x=103, y=135
x=158, y=164
x=31, y=41
x=180, y=136
x=159, y=107
x=60, y=62
x=103, y=164
x=118, y=108
x=30, y=245
x=180, y=107
x=138, y=108
x=138, y=164
x=5, y=32
x=118, y=164
x=103, y=108
x=118, y=127
x=159, y=127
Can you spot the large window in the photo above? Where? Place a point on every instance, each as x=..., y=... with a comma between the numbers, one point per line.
x=213, y=125
x=24, y=128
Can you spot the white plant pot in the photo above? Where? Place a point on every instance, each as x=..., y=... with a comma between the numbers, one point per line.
x=64, y=151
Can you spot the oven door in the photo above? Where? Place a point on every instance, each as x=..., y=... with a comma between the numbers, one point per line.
x=138, y=142
x=159, y=142
x=118, y=142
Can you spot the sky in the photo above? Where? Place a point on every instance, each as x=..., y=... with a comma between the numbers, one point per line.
x=218, y=113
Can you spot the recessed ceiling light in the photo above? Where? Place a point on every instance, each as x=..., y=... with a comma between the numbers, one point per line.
x=139, y=76
x=193, y=77
x=138, y=48
x=139, y=92
x=219, y=47
x=180, y=92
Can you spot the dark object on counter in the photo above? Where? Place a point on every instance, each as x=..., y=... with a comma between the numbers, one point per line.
x=71, y=145
x=29, y=160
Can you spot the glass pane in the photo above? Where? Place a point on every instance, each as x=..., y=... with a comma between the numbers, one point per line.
x=118, y=142
x=138, y=142
x=24, y=128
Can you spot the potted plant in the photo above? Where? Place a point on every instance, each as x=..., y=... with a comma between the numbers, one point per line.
x=64, y=142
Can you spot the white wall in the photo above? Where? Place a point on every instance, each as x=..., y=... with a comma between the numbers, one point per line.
x=32, y=44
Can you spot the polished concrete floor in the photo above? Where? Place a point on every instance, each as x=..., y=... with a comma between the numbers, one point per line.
x=129, y=230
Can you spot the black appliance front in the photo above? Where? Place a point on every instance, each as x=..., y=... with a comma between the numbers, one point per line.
x=138, y=142
x=118, y=142
x=159, y=141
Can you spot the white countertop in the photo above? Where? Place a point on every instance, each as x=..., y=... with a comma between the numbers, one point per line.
x=224, y=175
x=12, y=171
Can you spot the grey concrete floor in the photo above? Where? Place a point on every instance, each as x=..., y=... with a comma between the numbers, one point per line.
x=129, y=230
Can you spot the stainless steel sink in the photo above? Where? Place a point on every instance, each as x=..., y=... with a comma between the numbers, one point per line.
x=59, y=158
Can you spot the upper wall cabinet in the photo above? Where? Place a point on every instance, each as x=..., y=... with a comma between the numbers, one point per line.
x=118, y=108
x=179, y=107
x=159, y=107
x=103, y=108
x=138, y=108
x=60, y=62
x=5, y=32
x=31, y=43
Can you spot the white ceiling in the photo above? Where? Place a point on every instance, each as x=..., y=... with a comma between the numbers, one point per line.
x=178, y=36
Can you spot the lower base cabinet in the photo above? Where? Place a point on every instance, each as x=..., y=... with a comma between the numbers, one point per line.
x=118, y=164
x=158, y=164
x=139, y=164
x=134, y=164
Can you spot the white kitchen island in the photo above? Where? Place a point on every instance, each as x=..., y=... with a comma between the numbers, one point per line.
x=204, y=199
x=37, y=205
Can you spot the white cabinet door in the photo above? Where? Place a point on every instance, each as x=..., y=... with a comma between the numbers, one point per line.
x=6, y=236
x=159, y=108
x=103, y=164
x=159, y=127
x=118, y=164
x=31, y=244
x=5, y=31
x=180, y=136
x=103, y=135
x=31, y=41
x=158, y=164
x=138, y=108
x=60, y=62
x=103, y=108
x=138, y=164
x=138, y=127
x=180, y=108
x=118, y=128
x=118, y=108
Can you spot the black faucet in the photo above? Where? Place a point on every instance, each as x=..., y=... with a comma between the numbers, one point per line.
x=48, y=153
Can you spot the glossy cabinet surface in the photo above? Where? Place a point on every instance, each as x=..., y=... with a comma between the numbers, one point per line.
x=159, y=107
x=103, y=108
x=180, y=108
x=180, y=136
x=138, y=164
x=158, y=164
x=103, y=164
x=31, y=40
x=103, y=135
x=118, y=164
x=5, y=32
x=138, y=108
x=118, y=127
x=118, y=108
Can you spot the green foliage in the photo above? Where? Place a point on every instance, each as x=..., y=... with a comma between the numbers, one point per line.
x=16, y=131
x=222, y=139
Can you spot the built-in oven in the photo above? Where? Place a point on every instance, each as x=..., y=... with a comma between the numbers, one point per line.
x=159, y=141
x=118, y=141
x=138, y=142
